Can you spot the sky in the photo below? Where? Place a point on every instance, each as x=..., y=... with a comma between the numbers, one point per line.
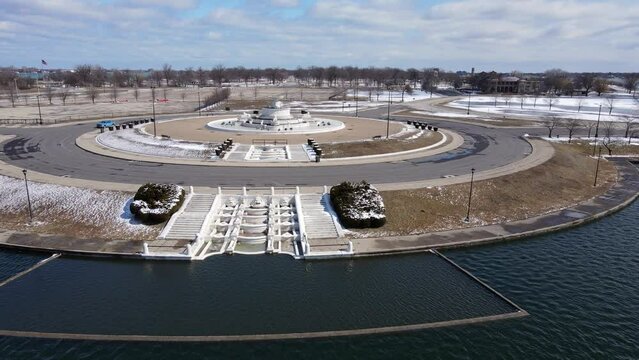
x=501, y=35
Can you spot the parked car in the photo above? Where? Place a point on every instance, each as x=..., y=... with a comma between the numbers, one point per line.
x=105, y=124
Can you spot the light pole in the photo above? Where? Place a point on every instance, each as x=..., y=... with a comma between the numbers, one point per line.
x=596, y=132
x=26, y=184
x=199, y=106
x=39, y=111
x=470, y=195
x=356, y=98
x=343, y=103
x=468, y=109
x=388, y=115
x=597, y=168
x=155, y=132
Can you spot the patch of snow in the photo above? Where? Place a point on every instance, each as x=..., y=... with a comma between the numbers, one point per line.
x=96, y=208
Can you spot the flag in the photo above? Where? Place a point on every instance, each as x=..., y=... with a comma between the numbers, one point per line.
x=44, y=62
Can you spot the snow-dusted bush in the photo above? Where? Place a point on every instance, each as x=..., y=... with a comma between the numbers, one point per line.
x=155, y=203
x=358, y=205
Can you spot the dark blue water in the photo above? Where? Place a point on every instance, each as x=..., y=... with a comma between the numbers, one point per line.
x=581, y=288
x=13, y=262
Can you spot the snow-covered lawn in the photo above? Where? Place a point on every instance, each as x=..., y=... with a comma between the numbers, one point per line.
x=81, y=212
x=444, y=114
x=583, y=108
x=591, y=141
x=366, y=100
x=139, y=142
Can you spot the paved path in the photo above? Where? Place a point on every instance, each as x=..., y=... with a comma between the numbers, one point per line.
x=52, y=150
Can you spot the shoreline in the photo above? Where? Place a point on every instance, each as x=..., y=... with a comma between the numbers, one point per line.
x=620, y=195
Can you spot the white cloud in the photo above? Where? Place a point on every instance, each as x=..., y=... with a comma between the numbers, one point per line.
x=285, y=3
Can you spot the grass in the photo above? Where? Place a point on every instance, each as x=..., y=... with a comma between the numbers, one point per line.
x=563, y=181
x=618, y=148
x=382, y=146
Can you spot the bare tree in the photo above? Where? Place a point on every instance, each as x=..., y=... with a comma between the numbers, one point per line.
x=507, y=100
x=570, y=125
x=600, y=86
x=629, y=123
x=630, y=82
x=165, y=93
x=49, y=93
x=610, y=100
x=607, y=140
x=535, y=97
x=579, y=103
x=255, y=92
x=551, y=123
x=63, y=94
x=183, y=95
x=12, y=95
x=217, y=74
x=153, y=95
x=136, y=93
x=93, y=93
x=586, y=81
x=551, y=101
x=114, y=93
x=168, y=73
x=589, y=125
x=157, y=77
x=496, y=98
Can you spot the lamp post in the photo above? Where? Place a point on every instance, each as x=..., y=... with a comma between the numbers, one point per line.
x=26, y=184
x=597, y=168
x=468, y=109
x=199, y=106
x=356, y=98
x=155, y=132
x=388, y=115
x=596, y=132
x=39, y=111
x=470, y=195
x=343, y=103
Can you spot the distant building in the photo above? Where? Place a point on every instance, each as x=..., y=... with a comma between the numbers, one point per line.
x=514, y=85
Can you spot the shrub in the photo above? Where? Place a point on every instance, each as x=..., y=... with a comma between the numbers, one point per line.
x=155, y=203
x=358, y=205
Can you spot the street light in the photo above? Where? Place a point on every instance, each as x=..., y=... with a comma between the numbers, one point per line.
x=596, y=132
x=39, y=111
x=388, y=115
x=199, y=106
x=356, y=98
x=597, y=169
x=26, y=184
x=470, y=196
x=468, y=110
x=155, y=132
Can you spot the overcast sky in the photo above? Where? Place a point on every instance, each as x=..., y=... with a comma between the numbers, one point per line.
x=505, y=35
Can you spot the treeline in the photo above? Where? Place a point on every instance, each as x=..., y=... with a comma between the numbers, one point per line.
x=552, y=81
x=557, y=81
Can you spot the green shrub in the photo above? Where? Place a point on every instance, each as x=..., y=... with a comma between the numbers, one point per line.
x=358, y=205
x=155, y=203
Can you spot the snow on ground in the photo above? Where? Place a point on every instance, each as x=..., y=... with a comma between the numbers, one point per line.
x=102, y=209
x=583, y=108
x=366, y=100
x=444, y=114
x=139, y=142
x=614, y=139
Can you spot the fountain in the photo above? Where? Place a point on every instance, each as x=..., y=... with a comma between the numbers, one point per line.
x=277, y=118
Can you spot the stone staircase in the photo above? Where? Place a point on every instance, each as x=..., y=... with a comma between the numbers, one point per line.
x=318, y=221
x=189, y=222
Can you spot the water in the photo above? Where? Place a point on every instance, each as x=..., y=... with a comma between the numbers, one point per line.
x=580, y=286
x=13, y=262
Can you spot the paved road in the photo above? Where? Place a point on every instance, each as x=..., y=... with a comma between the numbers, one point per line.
x=52, y=150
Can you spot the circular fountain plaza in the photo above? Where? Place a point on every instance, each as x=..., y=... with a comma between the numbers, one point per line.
x=277, y=118
x=273, y=134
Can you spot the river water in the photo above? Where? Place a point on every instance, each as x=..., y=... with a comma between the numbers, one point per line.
x=581, y=288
